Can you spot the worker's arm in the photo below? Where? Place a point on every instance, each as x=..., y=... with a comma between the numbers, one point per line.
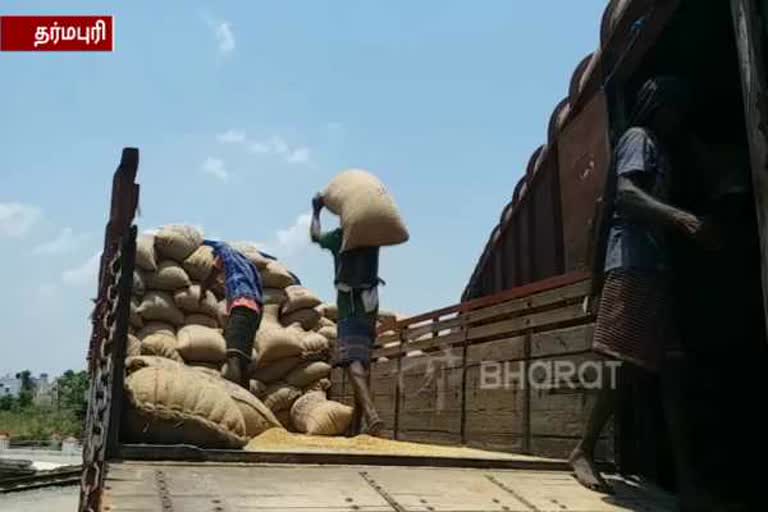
x=315, y=231
x=634, y=203
x=637, y=161
x=209, y=281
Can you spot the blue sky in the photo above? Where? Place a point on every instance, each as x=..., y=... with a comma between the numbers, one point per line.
x=242, y=110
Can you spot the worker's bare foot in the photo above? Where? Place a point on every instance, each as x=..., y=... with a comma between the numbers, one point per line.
x=586, y=473
x=375, y=427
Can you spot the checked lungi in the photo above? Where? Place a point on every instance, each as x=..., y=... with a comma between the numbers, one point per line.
x=633, y=321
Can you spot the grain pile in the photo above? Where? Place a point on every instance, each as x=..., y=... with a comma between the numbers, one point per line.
x=280, y=440
x=176, y=349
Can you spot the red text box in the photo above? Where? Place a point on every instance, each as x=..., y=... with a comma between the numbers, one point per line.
x=57, y=33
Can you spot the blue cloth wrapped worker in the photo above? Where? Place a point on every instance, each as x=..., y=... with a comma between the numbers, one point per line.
x=243, y=291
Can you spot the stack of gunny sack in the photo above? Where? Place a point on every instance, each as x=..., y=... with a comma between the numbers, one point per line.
x=176, y=349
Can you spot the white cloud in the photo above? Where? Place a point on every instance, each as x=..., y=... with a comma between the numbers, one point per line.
x=259, y=147
x=16, y=219
x=215, y=167
x=84, y=274
x=274, y=145
x=295, y=238
x=66, y=241
x=298, y=156
x=225, y=37
x=231, y=137
x=278, y=146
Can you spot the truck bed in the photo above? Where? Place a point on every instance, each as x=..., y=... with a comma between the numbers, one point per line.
x=225, y=487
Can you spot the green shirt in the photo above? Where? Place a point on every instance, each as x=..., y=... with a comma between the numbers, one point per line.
x=332, y=241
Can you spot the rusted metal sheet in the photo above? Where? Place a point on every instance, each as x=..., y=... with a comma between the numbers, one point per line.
x=533, y=162
x=545, y=252
x=557, y=120
x=578, y=77
x=521, y=231
x=509, y=247
x=584, y=156
x=629, y=29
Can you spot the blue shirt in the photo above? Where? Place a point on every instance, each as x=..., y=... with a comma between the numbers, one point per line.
x=635, y=245
x=242, y=278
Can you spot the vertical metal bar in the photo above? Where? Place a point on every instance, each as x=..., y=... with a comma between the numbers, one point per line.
x=128, y=256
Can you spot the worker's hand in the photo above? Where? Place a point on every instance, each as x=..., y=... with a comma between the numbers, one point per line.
x=710, y=235
x=317, y=203
x=689, y=224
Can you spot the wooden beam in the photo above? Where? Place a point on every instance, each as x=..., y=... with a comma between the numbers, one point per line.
x=546, y=298
x=513, y=293
x=522, y=323
x=434, y=327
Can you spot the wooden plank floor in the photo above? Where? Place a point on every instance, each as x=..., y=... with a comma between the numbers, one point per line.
x=193, y=487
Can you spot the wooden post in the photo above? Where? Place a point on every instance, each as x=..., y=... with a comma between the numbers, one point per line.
x=398, y=390
x=463, y=398
x=526, y=419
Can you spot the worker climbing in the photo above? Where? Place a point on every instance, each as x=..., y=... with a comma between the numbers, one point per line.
x=243, y=291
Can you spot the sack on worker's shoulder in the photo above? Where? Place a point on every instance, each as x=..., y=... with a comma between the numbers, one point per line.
x=369, y=215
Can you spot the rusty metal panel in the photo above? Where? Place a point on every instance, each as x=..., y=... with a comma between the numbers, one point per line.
x=546, y=230
x=584, y=158
x=486, y=279
x=522, y=232
x=509, y=269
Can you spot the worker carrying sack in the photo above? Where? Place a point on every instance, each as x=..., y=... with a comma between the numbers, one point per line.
x=369, y=215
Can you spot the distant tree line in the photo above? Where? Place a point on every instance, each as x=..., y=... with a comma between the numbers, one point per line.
x=64, y=416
